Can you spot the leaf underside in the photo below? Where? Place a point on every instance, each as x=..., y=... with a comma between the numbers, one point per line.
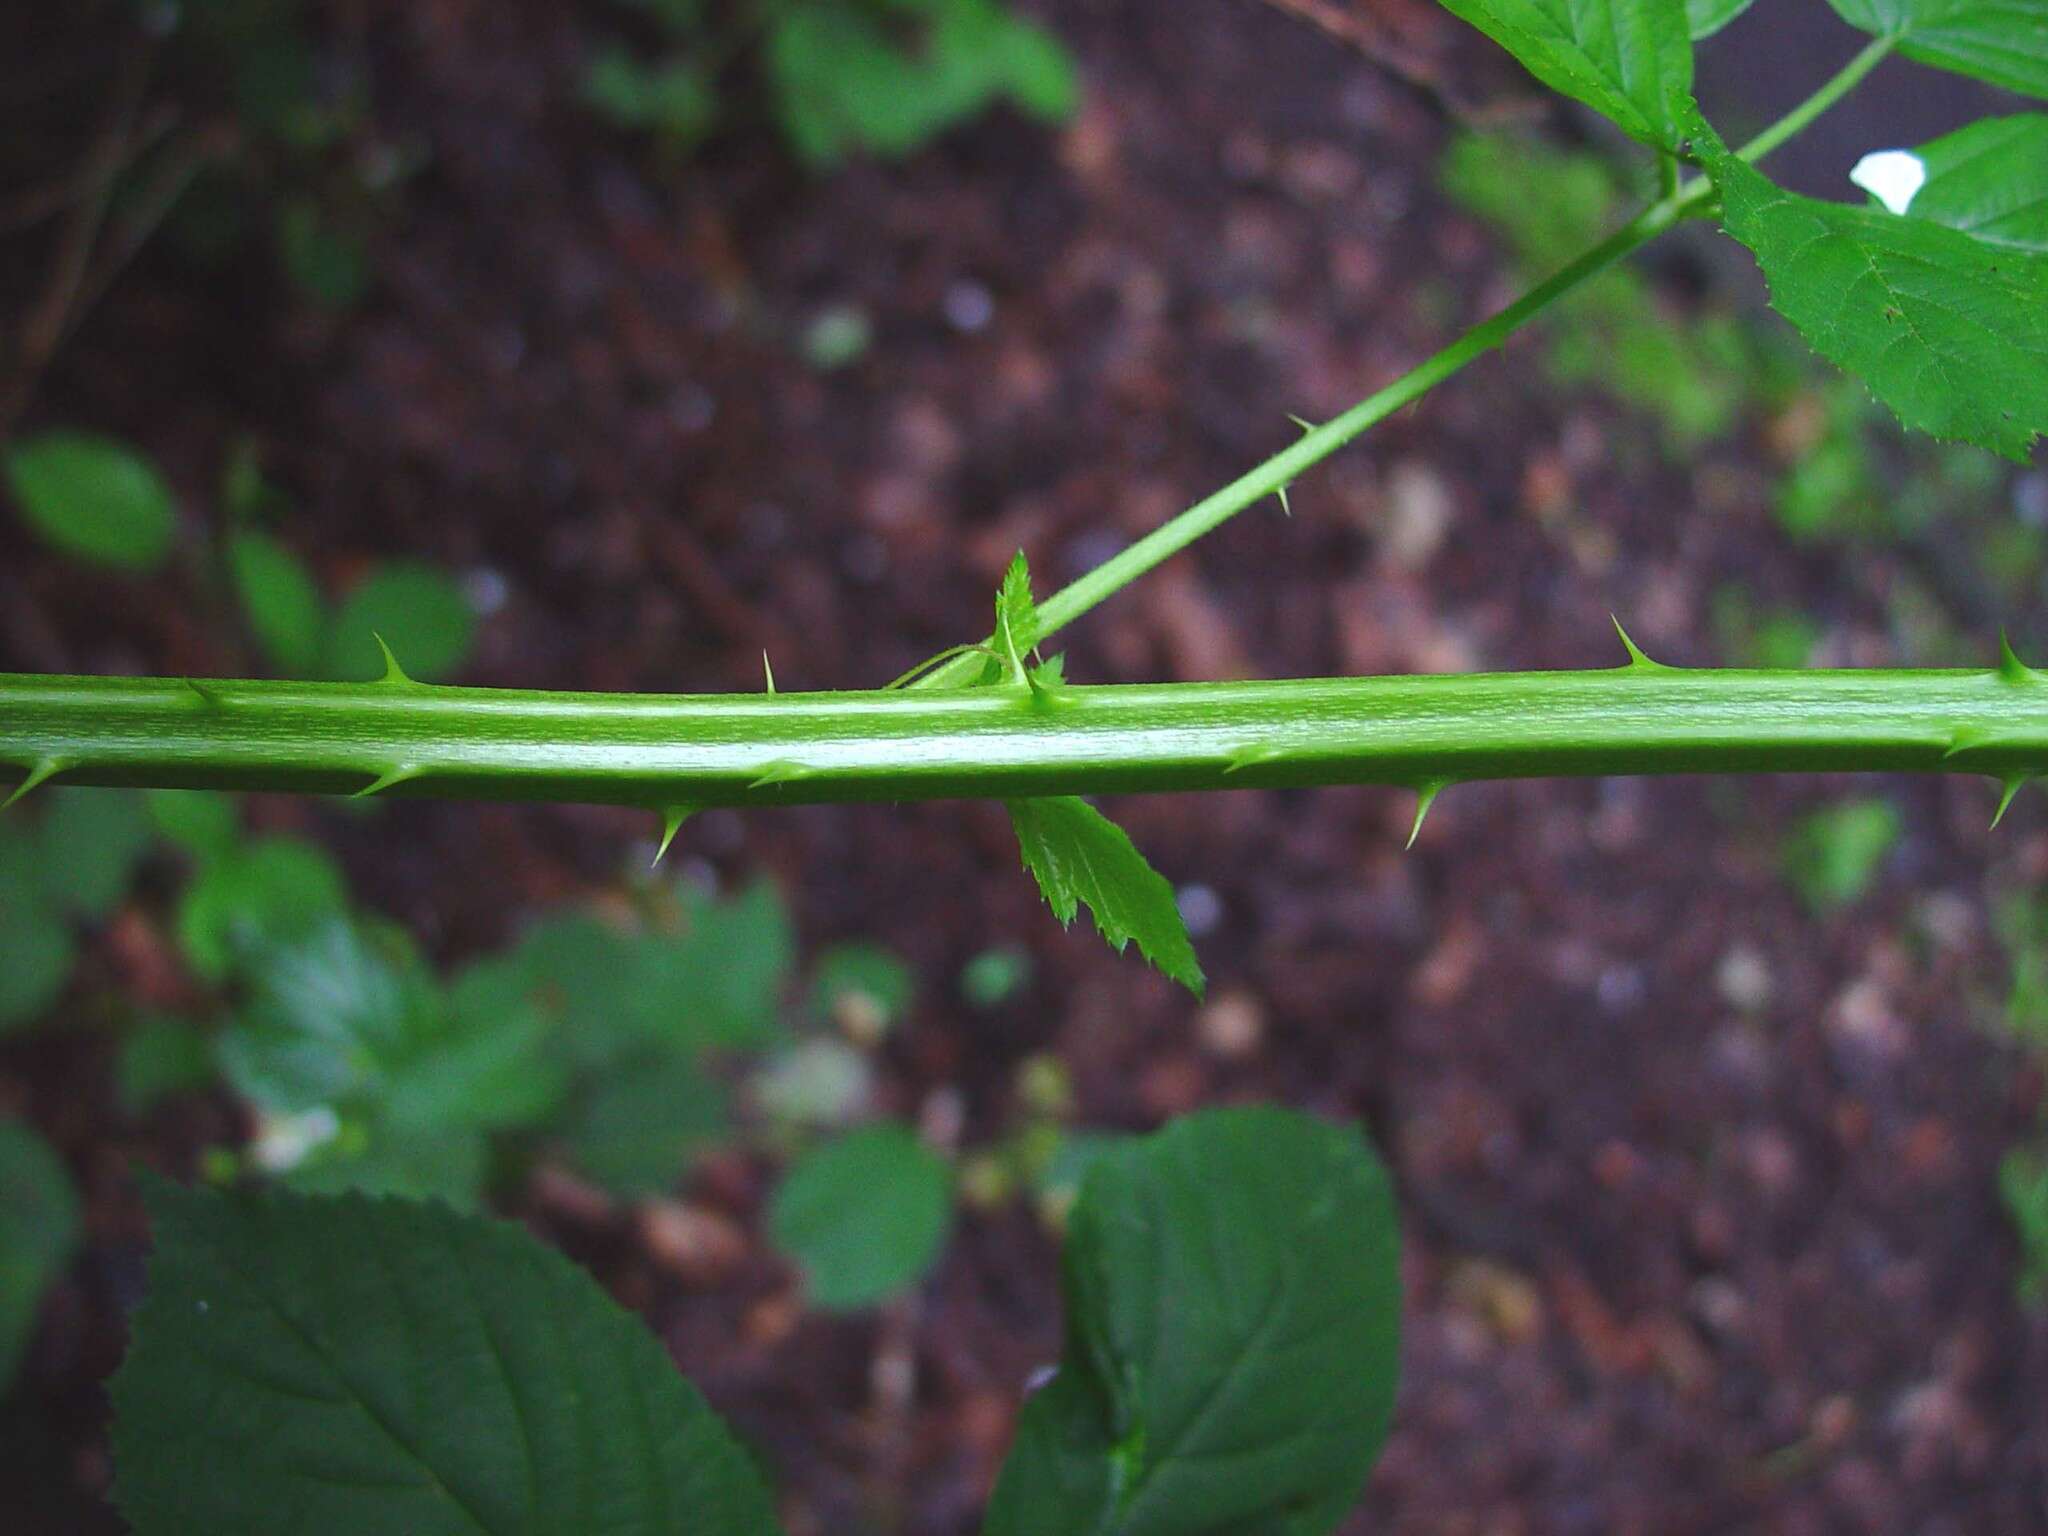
x=2004, y=42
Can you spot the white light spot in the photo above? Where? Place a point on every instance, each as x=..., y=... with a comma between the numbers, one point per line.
x=1893, y=176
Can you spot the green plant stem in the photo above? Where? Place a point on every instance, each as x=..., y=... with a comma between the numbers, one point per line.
x=784, y=749
x=1678, y=203
x=1795, y=122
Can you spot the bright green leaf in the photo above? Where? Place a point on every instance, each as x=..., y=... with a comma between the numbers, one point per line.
x=2002, y=41
x=421, y=614
x=1233, y=1300
x=1078, y=855
x=1629, y=60
x=203, y=823
x=93, y=498
x=39, y=1226
x=1016, y=613
x=1948, y=330
x=92, y=841
x=339, y=1366
x=1835, y=854
x=1706, y=17
x=273, y=891
x=864, y=1217
x=1989, y=180
x=283, y=604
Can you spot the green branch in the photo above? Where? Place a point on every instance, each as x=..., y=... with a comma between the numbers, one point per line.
x=400, y=738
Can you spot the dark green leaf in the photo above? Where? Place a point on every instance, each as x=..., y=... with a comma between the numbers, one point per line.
x=1629, y=60
x=1989, y=180
x=672, y=98
x=39, y=1226
x=1948, y=330
x=636, y=1128
x=864, y=1217
x=36, y=948
x=583, y=972
x=285, y=610
x=206, y=825
x=421, y=614
x=328, y=265
x=448, y=1163
x=1706, y=17
x=718, y=984
x=2002, y=41
x=340, y=1366
x=1079, y=855
x=273, y=891
x=92, y=841
x=161, y=1057
x=1233, y=1302
x=93, y=498
x=483, y=1063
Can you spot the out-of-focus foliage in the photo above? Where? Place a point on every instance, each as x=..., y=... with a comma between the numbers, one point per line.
x=1834, y=855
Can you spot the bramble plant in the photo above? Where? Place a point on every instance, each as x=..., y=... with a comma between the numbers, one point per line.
x=1231, y=1282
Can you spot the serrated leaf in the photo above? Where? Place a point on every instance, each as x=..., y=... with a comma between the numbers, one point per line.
x=1629, y=60
x=1233, y=1300
x=335, y=1366
x=281, y=599
x=39, y=1224
x=93, y=498
x=1016, y=612
x=1078, y=855
x=1706, y=17
x=1989, y=180
x=2002, y=41
x=864, y=1216
x=1948, y=330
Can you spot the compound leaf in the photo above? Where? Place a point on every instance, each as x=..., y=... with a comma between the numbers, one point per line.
x=38, y=1231
x=342, y=1365
x=864, y=1216
x=1079, y=855
x=1233, y=1302
x=95, y=499
x=2002, y=41
x=1949, y=330
x=1629, y=60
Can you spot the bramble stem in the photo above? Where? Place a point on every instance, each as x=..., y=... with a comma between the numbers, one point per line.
x=785, y=749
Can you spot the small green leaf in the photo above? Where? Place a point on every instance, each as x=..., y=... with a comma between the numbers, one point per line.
x=1016, y=615
x=1835, y=854
x=1989, y=180
x=1079, y=855
x=1629, y=60
x=635, y=1129
x=864, y=1217
x=1948, y=330
x=672, y=98
x=161, y=1057
x=285, y=610
x=203, y=823
x=92, y=841
x=2002, y=41
x=1706, y=17
x=272, y=891
x=36, y=947
x=95, y=499
x=421, y=614
x=1233, y=1298
x=719, y=983
x=39, y=1227
x=334, y=1366
x=862, y=987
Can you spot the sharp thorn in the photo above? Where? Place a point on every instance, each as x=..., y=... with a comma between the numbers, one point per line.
x=393, y=672
x=1306, y=426
x=672, y=819
x=1425, y=796
x=1285, y=509
x=1966, y=738
x=207, y=696
x=41, y=773
x=2010, y=667
x=780, y=773
x=1251, y=757
x=2014, y=783
x=767, y=671
x=1636, y=658
x=397, y=774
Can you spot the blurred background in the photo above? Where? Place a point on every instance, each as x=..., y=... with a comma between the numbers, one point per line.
x=608, y=345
